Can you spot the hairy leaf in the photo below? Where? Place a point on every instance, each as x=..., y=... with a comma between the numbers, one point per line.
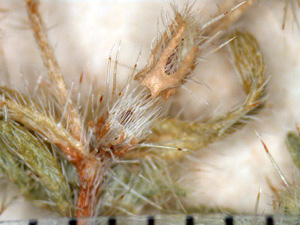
x=19, y=146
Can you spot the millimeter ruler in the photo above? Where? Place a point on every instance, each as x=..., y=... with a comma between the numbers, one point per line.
x=196, y=219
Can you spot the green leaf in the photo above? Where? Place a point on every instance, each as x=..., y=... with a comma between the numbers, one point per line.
x=42, y=174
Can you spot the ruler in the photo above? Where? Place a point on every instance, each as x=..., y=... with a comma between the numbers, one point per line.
x=166, y=220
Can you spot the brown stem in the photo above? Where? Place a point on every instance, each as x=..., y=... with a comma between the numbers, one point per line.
x=89, y=169
x=54, y=71
x=34, y=120
x=91, y=175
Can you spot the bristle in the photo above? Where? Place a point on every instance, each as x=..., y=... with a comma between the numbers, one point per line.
x=116, y=70
x=63, y=115
x=274, y=163
x=221, y=16
x=130, y=118
x=108, y=79
x=134, y=188
x=195, y=95
x=218, y=47
x=257, y=201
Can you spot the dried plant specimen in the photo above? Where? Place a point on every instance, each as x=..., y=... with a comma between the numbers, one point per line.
x=250, y=65
x=92, y=146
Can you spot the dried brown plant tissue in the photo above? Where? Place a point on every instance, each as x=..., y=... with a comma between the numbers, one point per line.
x=228, y=173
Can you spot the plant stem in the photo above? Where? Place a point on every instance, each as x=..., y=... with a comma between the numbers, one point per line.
x=54, y=72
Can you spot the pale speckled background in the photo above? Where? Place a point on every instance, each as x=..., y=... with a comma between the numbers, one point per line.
x=228, y=173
